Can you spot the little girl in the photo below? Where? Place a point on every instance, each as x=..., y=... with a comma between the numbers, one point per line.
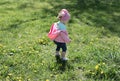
x=59, y=34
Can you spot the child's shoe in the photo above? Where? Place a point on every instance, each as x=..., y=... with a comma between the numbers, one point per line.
x=58, y=58
x=64, y=59
x=64, y=63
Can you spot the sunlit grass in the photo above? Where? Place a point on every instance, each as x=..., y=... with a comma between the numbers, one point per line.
x=26, y=54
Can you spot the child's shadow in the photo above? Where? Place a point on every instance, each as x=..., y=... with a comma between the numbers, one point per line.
x=64, y=65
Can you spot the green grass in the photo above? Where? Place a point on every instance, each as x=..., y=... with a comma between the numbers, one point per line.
x=26, y=54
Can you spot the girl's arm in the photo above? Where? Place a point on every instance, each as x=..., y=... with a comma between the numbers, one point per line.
x=65, y=37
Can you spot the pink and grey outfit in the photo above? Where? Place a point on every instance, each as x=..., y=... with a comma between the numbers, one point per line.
x=58, y=32
x=62, y=38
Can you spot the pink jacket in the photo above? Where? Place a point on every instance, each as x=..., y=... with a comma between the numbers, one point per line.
x=62, y=37
x=58, y=35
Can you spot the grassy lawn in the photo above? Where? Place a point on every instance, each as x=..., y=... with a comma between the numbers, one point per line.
x=26, y=54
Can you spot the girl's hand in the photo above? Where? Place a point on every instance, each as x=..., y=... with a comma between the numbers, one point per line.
x=70, y=40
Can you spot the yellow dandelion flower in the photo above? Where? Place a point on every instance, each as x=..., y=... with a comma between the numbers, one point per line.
x=96, y=67
x=28, y=79
x=103, y=63
x=43, y=61
x=19, y=47
x=9, y=74
x=42, y=64
x=91, y=42
x=47, y=80
x=20, y=78
x=17, y=77
x=35, y=71
x=98, y=64
x=97, y=38
x=93, y=73
x=5, y=67
x=102, y=72
x=92, y=39
x=51, y=75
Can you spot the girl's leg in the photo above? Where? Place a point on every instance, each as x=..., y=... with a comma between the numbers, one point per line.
x=57, y=55
x=64, y=49
x=64, y=59
x=63, y=54
x=57, y=48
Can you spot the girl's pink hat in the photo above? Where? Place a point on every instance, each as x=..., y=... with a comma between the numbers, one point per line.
x=64, y=15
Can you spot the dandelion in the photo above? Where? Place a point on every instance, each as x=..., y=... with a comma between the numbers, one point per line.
x=28, y=79
x=13, y=50
x=96, y=67
x=97, y=38
x=103, y=63
x=98, y=64
x=92, y=39
x=91, y=42
x=42, y=64
x=51, y=75
x=102, y=72
x=5, y=67
x=17, y=77
x=93, y=73
x=47, y=80
x=19, y=47
x=43, y=61
x=53, y=69
x=9, y=74
x=35, y=71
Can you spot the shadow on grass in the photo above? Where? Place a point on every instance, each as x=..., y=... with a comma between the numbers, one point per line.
x=96, y=13
x=16, y=24
x=5, y=2
x=90, y=12
x=63, y=66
